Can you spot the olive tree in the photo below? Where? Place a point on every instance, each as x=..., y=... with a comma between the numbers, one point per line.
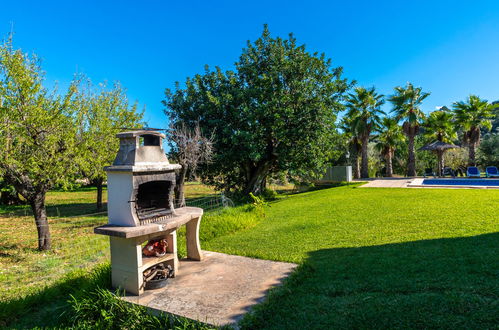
x=102, y=113
x=37, y=133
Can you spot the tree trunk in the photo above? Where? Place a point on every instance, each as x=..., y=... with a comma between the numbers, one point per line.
x=99, y=183
x=180, y=185
x=256, y=179
x=411, y=160
x=364, y=170
x=440, y=161
x=356, y=167
x=389, y=164
x=37, y=204
x=264, y=184
x=472, y=151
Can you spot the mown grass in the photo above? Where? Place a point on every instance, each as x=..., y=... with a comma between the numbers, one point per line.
x=370, y=257
x=378, y=258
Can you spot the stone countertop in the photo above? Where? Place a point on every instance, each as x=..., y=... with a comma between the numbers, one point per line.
x=183, y=215
x=144, y=167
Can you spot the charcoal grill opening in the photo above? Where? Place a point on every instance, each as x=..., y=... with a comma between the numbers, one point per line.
x=154, y=200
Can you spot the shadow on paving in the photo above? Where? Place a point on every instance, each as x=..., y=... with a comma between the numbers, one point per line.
x=441, y=283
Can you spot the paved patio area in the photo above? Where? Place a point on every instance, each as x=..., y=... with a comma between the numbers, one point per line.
x=218, y=290
x=387, y=183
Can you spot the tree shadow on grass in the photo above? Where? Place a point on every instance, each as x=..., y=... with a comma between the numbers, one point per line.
x=49, y=306
x=441, y=283
x=55, y=210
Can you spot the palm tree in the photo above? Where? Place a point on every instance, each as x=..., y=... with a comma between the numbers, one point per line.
x=353, y=144
x=440, y=126
x=471, y=115
x=406, y=102
x=364, y=110
x=390, y=136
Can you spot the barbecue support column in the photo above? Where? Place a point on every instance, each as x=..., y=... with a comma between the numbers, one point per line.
x=172, y=248
x=126, y=258
x=192, y=237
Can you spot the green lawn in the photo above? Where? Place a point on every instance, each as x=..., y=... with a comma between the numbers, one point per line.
x=369, y=257
x=377, y=257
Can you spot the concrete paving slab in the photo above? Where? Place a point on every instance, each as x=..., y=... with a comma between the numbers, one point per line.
x=388, y=183
x=218, y=290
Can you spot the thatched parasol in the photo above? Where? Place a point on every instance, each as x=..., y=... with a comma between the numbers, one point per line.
x=439, y=148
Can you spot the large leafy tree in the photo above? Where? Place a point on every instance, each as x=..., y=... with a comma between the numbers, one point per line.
x=488, y=151
x=389, y=138
x=102, y=114
x=440, y=126
x=37, y=133
x=364, y=111
x=276, y=113
x=406, y=108
x=471, y=115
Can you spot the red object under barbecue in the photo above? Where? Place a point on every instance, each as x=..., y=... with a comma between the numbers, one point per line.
x=155, y=248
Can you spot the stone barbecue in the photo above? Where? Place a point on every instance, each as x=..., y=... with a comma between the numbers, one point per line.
x=140, y=181
x=141, y=210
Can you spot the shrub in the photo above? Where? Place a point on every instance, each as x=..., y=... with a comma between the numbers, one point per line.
x=269, y=194
x=488, y=152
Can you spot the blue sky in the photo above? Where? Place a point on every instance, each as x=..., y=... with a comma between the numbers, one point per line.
x=450, y=48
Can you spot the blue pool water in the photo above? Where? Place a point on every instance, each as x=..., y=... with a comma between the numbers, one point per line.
x=463, y=182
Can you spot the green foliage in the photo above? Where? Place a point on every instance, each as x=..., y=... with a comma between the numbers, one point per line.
x=275, y=113
x=269, y=195
x=472, y=114
x=100, y=308
x=456, y=158
x=259, y=203
x=495, y=119
x=364, y=116
x=388, y=141
x=406, y=105
x=364, y=110
x=102, y=113
x=440, y=126
x=390, y=136
x=488, y=152
x=37, y=131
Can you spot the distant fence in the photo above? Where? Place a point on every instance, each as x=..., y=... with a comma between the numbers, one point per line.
x=209, y=203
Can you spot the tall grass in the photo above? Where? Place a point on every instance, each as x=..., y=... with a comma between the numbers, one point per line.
x=102, y=309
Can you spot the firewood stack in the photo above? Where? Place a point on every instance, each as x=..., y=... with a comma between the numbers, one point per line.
x=156, y=276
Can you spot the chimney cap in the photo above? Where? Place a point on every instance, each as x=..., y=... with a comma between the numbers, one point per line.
x=142, y=132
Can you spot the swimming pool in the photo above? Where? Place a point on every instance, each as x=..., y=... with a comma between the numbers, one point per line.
x=462, y=182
